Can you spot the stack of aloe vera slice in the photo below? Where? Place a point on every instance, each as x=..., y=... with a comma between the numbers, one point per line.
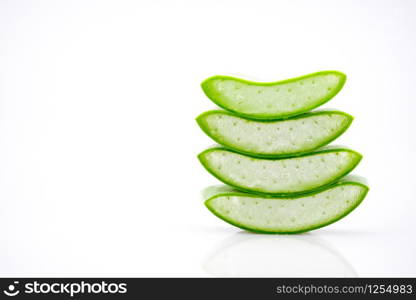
x=280, y=175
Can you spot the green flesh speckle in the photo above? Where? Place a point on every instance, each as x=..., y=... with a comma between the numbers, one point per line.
x=274, y=138
x=288, y=214
x=279, y=176
x=273, y=100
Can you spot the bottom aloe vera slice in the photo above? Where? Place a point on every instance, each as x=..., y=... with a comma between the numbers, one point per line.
x=285, y=215
x=279, y=176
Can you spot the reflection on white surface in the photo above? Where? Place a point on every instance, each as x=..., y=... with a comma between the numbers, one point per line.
x=252, y=255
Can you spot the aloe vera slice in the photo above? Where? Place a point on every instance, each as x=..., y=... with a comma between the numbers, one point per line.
x=279, y=176
x=273, y=100
x=289, y=214
x=274, y=138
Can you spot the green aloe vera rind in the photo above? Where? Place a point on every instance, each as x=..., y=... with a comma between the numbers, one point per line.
x=293, y=175
x=273, y=100
x=274, y=138
x=289, y=214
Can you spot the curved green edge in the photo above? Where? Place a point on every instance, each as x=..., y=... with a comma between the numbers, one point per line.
x=317, y=226
x=204, y=128
x=261, y=193
x=219, y=101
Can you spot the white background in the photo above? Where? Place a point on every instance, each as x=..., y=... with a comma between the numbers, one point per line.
x=98, y=142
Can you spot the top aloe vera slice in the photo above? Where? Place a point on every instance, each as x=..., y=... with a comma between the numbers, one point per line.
x=274, y=138
x=294, y=175
x=273, y=100
x=285, y=214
